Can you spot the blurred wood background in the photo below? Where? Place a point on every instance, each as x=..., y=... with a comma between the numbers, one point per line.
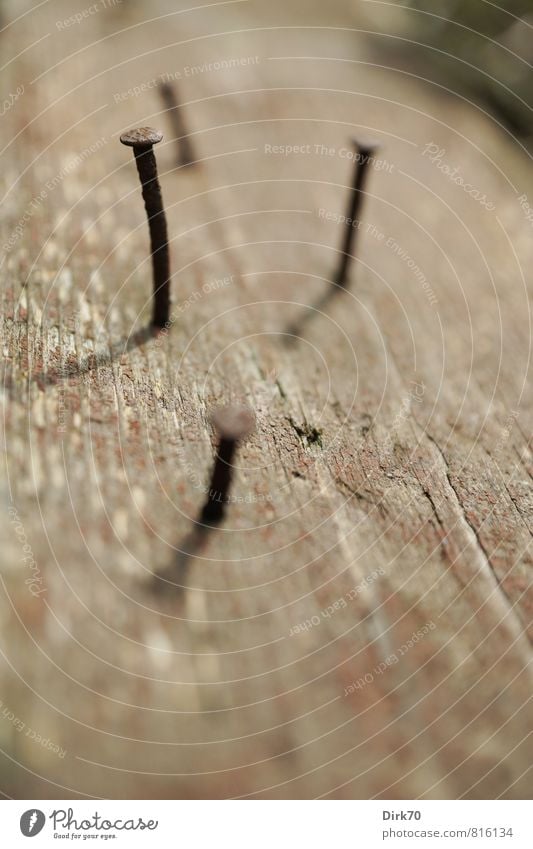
x=387, y=488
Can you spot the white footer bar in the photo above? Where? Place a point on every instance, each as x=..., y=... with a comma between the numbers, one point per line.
x=268, y=824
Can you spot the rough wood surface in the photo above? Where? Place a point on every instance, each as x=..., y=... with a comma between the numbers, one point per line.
x=387, y=488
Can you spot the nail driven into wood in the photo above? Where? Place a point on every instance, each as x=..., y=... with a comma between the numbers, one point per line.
x=232, y=424
x=184, y=152
x=142, y=141
x=363, y=154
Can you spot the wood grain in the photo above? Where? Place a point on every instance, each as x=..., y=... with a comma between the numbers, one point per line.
x=387, y=487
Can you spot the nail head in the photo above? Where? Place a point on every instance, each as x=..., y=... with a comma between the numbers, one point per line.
x=367, y=147
x=141, y=137
x=233, y=422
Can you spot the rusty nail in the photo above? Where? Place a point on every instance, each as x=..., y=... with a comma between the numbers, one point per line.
x=169, y=96
x=232, y=424
x=363, y=154
x=142, y=141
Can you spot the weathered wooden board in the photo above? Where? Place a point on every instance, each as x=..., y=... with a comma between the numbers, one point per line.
x=387, y=489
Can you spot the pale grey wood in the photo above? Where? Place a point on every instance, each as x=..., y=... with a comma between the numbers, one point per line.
x=352, y=472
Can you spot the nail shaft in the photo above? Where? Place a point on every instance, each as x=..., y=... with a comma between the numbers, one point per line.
x=142, y=141
x=362, y=159
x=184, y=152
x=233, y=424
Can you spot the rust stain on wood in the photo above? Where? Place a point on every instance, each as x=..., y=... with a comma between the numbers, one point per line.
x=365, y=508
